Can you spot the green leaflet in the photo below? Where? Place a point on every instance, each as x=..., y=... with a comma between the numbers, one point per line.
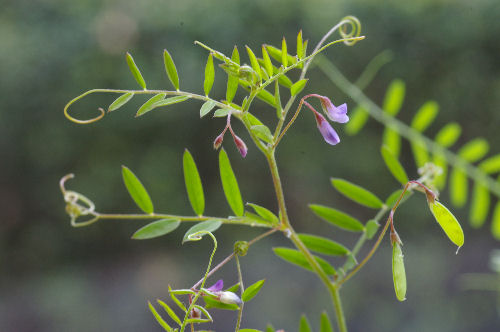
x=448, y=223
x=176, y=300
x=266, y=60
x=252, y=290
x=300, y=45
x=135, y=71
x=419, y=152
x=221, y=112
x=392, y=141
x=193, y=183
x=495, y=224
x=137, y=191
x=480, y=205
x=262, y=132
x=337, y=218
x=304, y=325
x=207, y=107
x=120, y=101
x=150, y=104
x=425, y=116
x=159, y=319
x=234, y=288
x=265, y=213
x=253, y=62
x=209, y=75
x=156, y=229
x=170, y=101
x=323, y=245
x=170, y=312
x=232, y=80
x=474, y=150
x=357, y=193
x=170, y=69
x=276, y=54
x=371, y=228
x=209, y=225
x=297, y=258
x=266, y=96
x=325, y=324
x=357, y=120
x=458, y=186
x=394, y=166
x=270, y=328
x=491, y=165
x=448, y=135
x=297, y=87
x=284, y=53
x=398, y=272
x=394, y=97
x=440, y=161
x=230, y=185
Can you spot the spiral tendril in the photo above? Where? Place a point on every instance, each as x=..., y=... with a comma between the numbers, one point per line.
x=77, y=205
x=354, y=31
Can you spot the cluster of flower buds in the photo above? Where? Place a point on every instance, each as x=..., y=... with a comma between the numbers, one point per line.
x=334, y=113
x=238, y=141
x=224, y=296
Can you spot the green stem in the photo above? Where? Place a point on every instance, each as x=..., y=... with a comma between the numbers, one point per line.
x=242, y=289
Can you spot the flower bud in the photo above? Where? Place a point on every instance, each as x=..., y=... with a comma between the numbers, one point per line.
x=218, y=141
x=229, y=298
x=240, y=145
x=329, y=134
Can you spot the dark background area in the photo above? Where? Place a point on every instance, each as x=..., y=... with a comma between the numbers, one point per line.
x=57, y=278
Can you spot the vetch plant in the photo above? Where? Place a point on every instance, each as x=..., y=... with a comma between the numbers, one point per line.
x=264, y=78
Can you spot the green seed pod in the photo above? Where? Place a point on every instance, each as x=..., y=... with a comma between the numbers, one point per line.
x=398, y=272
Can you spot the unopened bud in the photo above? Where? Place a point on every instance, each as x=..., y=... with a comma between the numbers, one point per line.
x=229, y=298
x=218, y=141
x=241, y=248
x=195, y=313
x=240, y=145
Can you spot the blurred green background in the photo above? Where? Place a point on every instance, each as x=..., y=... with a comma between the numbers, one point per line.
x=56, y=278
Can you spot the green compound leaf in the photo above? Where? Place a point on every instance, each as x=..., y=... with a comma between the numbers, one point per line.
x=448, y=223
x=398, y=272
x=322, y=245
x=297, y=258
x=159, y=319
x=170, y=69
x=394, y=166
x=495, y=224
x=297, y=87
x=209, y=75
x=491, y=165
x=337, y=218
x=425, y=116
x=232, y=80
x=262, y=132
x=120, y=101
x=230, y=185
x=137, y=191
x=480, y=205
x=170, y=312
x=448, y=135
x=474, y=150
x=284, y=53
x=207, y=107
x=252, y=290
x=265, y=213
x=209, y=225
x=394, y=97
x=150, y=104
x=193, y=183
x=253, y=62
x=357, y=120
x=213, y=303
x=458, y=186
x=371, y=228
x=304, y=325
x=135, y=71
x=357, y=193
x=156, y=229
x=392, y=141
x=325, y=323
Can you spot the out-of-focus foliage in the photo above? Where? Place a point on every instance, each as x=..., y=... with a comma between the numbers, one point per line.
x=57, y=278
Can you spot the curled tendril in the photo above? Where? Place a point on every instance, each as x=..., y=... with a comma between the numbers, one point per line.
x=355, y=30
x=75, y=120
x=77, y=204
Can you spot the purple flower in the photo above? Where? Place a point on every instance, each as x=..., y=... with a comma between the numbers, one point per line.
x=240, y=145
x=218, y=141
x=334, y=113
x=329, y=134
x=217, y=287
